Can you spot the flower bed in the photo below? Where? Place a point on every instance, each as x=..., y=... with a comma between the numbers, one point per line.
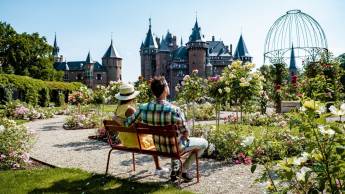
x=16, y=141
x=19, y=110
x=82, y=121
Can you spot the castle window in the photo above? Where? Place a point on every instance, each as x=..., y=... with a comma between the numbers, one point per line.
x=79, y=77
x=65, y=77
x=99, y=77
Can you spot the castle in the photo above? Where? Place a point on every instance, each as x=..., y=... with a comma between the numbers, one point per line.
x=89, y=72
x=164, y=57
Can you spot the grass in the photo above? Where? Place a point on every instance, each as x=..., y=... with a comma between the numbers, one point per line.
x=62, y=180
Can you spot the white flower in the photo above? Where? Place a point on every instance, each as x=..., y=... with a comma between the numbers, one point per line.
x=186, y=77
x=176, y=88
x=2, y=128
x=227, y=89
x=302, y=109
x=342, y=107
x=243, y=79
x=337, y=112
x=301, y=174
x=323, y=131
x=220, y=91
x=248, y=141
x=298, y=161
x=321, y=110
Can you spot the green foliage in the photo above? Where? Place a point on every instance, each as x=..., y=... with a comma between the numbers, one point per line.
x=34, y=91
x=16, y=142
x=44, y=97
x=192, y=89
x=111, y=90
x=322, y=79
x=26, y=54
x=143, y=87
x=99, y=95
x=319, y=165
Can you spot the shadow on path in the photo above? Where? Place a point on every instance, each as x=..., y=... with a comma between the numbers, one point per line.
x=83, y=145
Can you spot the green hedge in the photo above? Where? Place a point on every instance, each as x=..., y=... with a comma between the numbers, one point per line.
x=33, y=91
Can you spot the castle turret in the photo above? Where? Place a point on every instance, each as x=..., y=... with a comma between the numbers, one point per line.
x=112, y=63
x=148, y=50
x=55, y=52
x=241, y=52
x=88, y=71
x=197, y=51
x=162, y=58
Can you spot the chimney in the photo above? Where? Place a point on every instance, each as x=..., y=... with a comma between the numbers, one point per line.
x=212, y=38
x=230, y=49
x=174, y=42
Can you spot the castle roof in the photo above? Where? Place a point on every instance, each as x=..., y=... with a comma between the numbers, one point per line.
x=77, y=66
x=88, y=58
x=111, y=52
x=169, y=38
x=196, y=33
x=217, y=48
x=149, y=40
x=241, y=49
x=55, y=48
x=180, y=53
x=164, y=45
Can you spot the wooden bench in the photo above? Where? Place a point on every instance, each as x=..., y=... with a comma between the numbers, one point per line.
x=166, y=137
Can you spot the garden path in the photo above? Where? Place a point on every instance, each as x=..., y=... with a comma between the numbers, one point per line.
x=73, y=149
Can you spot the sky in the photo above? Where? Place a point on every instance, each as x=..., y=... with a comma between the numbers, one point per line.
x=87, y=25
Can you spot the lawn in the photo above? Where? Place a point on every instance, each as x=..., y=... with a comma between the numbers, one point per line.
x=60, y=180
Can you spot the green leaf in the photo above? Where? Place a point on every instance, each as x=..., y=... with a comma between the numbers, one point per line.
x=253, y=168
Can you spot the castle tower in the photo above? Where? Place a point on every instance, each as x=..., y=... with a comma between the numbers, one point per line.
x=162, y=58
x=55, y=52
x=241, y=52
x=112, y=63
x=197, y=51
x=88, y=71
x=148, y=50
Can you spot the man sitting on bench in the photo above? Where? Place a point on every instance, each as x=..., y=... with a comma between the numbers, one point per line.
x=161, y=113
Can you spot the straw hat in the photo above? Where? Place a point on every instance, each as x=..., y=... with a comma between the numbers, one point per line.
x=127, y=92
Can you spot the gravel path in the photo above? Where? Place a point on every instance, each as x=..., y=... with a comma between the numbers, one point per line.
x=73, y=149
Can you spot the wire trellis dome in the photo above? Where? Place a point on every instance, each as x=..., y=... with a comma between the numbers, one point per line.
x=296, y=31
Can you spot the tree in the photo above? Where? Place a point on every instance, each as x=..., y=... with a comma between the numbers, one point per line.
x=26, y=54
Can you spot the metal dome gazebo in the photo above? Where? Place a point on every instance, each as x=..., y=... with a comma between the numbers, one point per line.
x=294, y=34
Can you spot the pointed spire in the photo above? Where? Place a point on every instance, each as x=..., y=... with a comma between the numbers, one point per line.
x=292, y=59
x=241, y=50
x=164, y=45
x=196, y=32
x=88, y=58
x=55, y=48
x=149, y=41
x=181, y=41
x=111, y=52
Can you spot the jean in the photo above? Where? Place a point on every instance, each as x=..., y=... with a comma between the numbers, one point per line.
x=193, y=142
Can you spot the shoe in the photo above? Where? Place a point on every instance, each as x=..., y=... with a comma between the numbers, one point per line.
x=187, y=177
x=174, y=175
x=161, y=172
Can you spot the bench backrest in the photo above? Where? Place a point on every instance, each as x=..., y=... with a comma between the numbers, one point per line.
x=165, y=138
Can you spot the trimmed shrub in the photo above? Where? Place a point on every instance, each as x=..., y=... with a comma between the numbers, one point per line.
x=33, y=91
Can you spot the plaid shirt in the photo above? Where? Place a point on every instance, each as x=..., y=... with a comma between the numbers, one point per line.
x=159, y=113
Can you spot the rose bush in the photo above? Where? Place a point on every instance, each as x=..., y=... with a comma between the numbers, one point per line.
x=16, y=141
x=319, y=165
